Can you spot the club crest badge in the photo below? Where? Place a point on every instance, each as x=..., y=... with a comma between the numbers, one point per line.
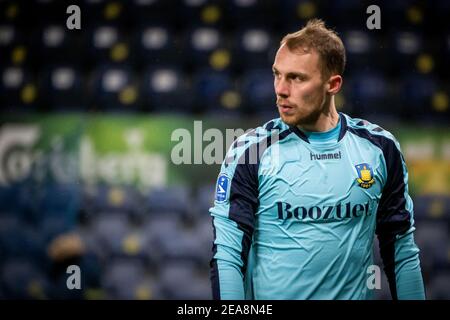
x=365, y=175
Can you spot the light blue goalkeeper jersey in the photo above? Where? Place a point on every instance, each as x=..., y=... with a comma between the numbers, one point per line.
x=295, y=215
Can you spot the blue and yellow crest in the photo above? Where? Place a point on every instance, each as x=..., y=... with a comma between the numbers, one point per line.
x=365, y=175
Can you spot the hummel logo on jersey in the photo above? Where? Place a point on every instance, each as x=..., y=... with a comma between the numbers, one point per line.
x=324, y=156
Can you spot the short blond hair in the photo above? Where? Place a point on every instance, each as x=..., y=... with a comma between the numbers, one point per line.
x=315, y=35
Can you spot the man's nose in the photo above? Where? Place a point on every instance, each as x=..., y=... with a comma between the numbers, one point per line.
x=282, y=88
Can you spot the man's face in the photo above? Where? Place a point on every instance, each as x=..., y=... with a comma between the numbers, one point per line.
x=300, y=89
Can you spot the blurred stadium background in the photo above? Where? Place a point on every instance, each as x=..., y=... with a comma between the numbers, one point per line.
x=87, y=116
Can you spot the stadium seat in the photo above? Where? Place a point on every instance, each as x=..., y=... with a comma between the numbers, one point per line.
x=404, y=47
x=204, y=234
x=60, y=200
x=181, y=281
x=205, y=199
x=107, y=44
x=22, y=280
x=292, y=14
x=62, y=88
x=369, y=92
x=206, y=46
x=110, y=231
x=157, y=11
x=20, y=240
x=54, y=43
x=363, y=52
x=155, y=44
x=165, y=90
x=209, y=89
x=18, y=90
x=114, y=89
x=200, y=13
x=126, y=280
x=13, y=46
x=169, y=200
x=258, y=93
x=432, y=207
x=17, y=200
x=416, y=94
x=433, y=240
x=113, y=199
x=244, y=13
x=255, y=48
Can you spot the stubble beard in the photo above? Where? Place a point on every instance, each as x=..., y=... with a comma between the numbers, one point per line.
x=299, y=119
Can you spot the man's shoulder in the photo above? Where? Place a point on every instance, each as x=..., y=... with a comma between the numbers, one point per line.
x=366, y=128
x=274, y=126
x=255, y=140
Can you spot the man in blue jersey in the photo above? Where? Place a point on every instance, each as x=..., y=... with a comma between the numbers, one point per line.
x=299, y=199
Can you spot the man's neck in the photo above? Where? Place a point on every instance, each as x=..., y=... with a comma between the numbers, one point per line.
x=325, y=122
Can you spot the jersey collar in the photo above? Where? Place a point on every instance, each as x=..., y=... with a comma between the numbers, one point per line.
x=343, y=123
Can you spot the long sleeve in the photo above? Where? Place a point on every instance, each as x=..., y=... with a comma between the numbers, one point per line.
x=395, y=229
x=233, y=214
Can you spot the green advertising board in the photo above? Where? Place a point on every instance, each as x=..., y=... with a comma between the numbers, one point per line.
x=152, y=151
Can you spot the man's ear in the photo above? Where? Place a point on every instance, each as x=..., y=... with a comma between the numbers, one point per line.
x=334, y=84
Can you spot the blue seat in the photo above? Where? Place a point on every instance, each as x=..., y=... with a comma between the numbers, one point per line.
x=12, y=38
x=432, y=207
x=122, y=279
x=204, y=233
x=18, y=90
x=114, y=89
x=110, y=231
x=258, y=92
x=248, y=13
x=155, y=44
x=107, y=12
x=183, y=281
x=295, y=13
x=13, y=201
x=107, y=44
x=22, y=280
x=209, y=89
x=169, y=200
x=404, y=14
x=404, y=46
x=56, y=44
x=255, y=48
x=157, y=11
x=201, y=44
x=432, y=239
x=156, y=227
x=181, y=246
x=164, y=89
x=363, y=52
x=20, y=240
x=205, y=199
x=416, y=91
x=60, y=200
x=201, y=13
x=113, y=199
x=369, y=92
x=62, y=88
